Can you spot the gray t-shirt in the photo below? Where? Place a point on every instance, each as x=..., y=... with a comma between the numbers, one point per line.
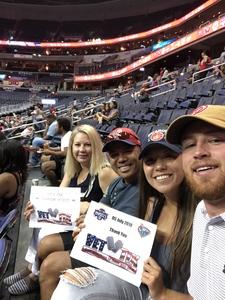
x=123, y=196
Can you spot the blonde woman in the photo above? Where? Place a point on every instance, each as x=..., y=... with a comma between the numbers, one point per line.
x=86, y=167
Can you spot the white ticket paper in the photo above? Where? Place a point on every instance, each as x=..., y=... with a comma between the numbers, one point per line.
x=115, y=242
x=54, y=206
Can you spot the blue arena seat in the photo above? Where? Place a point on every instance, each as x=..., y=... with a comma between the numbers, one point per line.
x=205, y=100
x=177, y=113
x=164, y=116
x=219, y=99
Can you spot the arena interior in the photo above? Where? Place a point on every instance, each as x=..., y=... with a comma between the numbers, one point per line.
x=106, y=63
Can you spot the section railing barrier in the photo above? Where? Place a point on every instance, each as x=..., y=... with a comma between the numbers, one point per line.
x=196, y=74
x=10, y=131
x=171, y=83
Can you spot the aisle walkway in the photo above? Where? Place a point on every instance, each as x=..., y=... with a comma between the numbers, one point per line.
x=23, y=241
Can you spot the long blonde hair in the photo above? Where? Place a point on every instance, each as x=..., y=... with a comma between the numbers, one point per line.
x=98, y=158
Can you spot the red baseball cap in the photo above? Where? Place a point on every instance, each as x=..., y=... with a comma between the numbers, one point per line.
x=125, y=135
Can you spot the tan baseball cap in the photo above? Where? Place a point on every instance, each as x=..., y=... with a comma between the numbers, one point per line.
x=212, y=114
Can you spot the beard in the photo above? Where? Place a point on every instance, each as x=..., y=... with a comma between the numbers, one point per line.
x=209, y=189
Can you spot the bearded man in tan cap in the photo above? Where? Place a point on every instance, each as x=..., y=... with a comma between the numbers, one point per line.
x=202, y=136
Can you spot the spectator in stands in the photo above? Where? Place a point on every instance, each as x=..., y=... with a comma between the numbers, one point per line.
x=202, y=136
x=149, y=80
x=163, y=193
x=53, y=110
x=144, y=93
x=165, y=75
x=107, y=108
x=13, y=173
x=38, y=115
x=130, y=83
x=53, y=158
x=49, y=135
x=120, y=88
x=123, y=148
x=27, y=133
x=204, y=63
x=85, y=167
x=219, y=73
x=222, y=56
x=113, y=114
x=102, y=110
x=91, y=111
x=156, y=79
x=191, y=69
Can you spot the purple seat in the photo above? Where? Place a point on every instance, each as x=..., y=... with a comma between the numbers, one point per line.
x=7, y=221
x=5, y=251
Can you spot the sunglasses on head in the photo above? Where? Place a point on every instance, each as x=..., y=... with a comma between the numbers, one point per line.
x=123, y=135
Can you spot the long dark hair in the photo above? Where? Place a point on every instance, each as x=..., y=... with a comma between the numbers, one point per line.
x=13, y=158
x=181, y=236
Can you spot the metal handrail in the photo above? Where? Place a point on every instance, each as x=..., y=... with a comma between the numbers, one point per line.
x=210, y=68
x=86, y=109
x=96, y=99
x=171, y=82
x=23, y=126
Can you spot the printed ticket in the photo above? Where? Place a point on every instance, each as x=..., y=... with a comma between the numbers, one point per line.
x=115, y=242
x=54, y=207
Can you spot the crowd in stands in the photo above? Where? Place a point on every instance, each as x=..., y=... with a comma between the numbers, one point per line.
x=35, y=114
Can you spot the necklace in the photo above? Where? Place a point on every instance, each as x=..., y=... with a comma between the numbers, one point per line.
x=82, y=176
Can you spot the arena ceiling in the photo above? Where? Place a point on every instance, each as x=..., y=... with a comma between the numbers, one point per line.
x=81, y=2
x=57, y=2
x=76, y=10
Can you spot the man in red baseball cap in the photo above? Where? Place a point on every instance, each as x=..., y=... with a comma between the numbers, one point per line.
x=123, y=147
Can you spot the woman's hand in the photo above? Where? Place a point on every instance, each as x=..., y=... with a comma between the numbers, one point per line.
x=84, y=205
x=29, y=209
x=79, y=226
x=152, y=277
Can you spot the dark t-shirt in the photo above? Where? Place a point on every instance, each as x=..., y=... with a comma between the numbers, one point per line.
x=162, y=255
x=123, y=197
